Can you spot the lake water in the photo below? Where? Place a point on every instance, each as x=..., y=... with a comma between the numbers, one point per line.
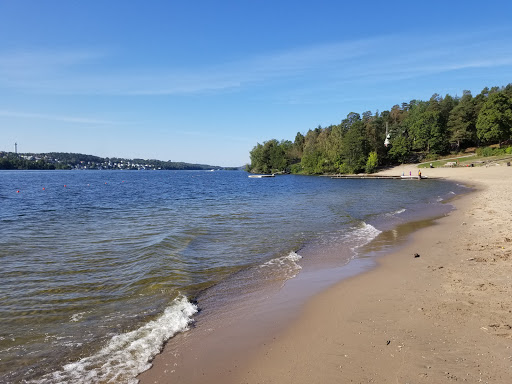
x=100, y=268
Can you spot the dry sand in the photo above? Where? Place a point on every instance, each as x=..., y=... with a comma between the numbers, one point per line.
x=442, y=317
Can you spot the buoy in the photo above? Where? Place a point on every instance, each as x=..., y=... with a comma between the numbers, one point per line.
x=64, y=185
x=17, y=191
x=44, y=188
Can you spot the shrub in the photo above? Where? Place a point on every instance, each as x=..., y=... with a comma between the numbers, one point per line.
x=431, y=157
x=296, y=168
x=490, y=151
x=372, y=162
x=485, y=152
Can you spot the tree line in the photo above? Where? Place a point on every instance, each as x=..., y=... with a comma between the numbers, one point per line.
x=63, y=160
x=11, y=161
x=417, y=130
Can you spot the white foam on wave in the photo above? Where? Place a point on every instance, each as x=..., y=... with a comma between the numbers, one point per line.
x=77, y=316
x=363, y=235
x=128, y=354
x=397, y=212
x=289, y=263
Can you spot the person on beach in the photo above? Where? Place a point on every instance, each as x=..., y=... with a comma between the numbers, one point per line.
x=419, y=174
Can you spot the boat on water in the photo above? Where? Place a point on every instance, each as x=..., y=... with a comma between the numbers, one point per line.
x=260, y=176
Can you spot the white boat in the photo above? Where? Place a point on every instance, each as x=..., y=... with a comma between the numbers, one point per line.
x=260, y=176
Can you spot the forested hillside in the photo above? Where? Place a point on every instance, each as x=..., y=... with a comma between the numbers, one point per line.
x=62, y=160
x=417, y=130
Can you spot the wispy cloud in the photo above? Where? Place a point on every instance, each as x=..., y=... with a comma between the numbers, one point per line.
x=22, y=66
x=66, y=119
x=45, y=59
x=68, y=72
x=385, y=58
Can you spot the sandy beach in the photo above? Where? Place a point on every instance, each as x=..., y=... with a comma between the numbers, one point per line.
x=438, y=309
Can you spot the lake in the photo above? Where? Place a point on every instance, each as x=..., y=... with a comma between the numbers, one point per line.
x=100, y=268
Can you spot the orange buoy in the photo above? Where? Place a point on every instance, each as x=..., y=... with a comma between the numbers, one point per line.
x=44, y=188
x=64, y=185
x=17, y=191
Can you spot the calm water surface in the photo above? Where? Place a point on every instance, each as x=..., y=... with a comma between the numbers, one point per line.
x=100, y=268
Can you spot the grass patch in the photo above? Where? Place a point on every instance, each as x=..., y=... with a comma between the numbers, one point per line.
x=476, y=160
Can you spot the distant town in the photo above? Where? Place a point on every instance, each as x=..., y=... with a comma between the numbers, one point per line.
x=78, y=161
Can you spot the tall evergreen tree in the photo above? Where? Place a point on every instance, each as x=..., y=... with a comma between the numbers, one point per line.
x=354, y=151
x=462, y=122
x=494, y=123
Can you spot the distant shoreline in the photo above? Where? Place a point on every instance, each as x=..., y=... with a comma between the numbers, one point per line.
x=128, y=170
x=67, y=161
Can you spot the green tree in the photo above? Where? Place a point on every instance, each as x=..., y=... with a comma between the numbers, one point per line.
x=494, y=123
x=313, y=159
x=335, y=147
x=445, y=108
x=277, y=156
x=507, y=90
x=372, y=162
x=414, y=127
x=425, y=126
x=375, y=133
x=270, y=157
x=298, y=147
x=352, y=117
x=400, y=149
x=462, y=122
x=354, y=149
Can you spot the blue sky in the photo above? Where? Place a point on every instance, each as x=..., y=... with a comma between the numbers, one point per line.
x=204, y=81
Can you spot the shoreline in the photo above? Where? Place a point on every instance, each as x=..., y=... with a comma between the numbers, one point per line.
x=418, y=305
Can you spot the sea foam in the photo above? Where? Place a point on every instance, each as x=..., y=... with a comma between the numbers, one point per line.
x=128, y=354
x=397, y=212
x=288, y=263
x=363, y=235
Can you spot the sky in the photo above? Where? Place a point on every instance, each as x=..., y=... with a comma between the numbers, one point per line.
x=205, y=81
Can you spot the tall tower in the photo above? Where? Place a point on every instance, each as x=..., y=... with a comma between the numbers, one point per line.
x=15, y=148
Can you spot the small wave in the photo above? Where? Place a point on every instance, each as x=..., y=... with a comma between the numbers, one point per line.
x=287, y=263
x=128, y=354
x=397, y=212
x=364, y=235
x=77, y=316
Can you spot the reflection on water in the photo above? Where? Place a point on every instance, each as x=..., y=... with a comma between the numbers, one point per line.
x=89, y=257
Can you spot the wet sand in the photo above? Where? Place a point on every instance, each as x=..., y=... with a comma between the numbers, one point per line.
x=444, y=316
